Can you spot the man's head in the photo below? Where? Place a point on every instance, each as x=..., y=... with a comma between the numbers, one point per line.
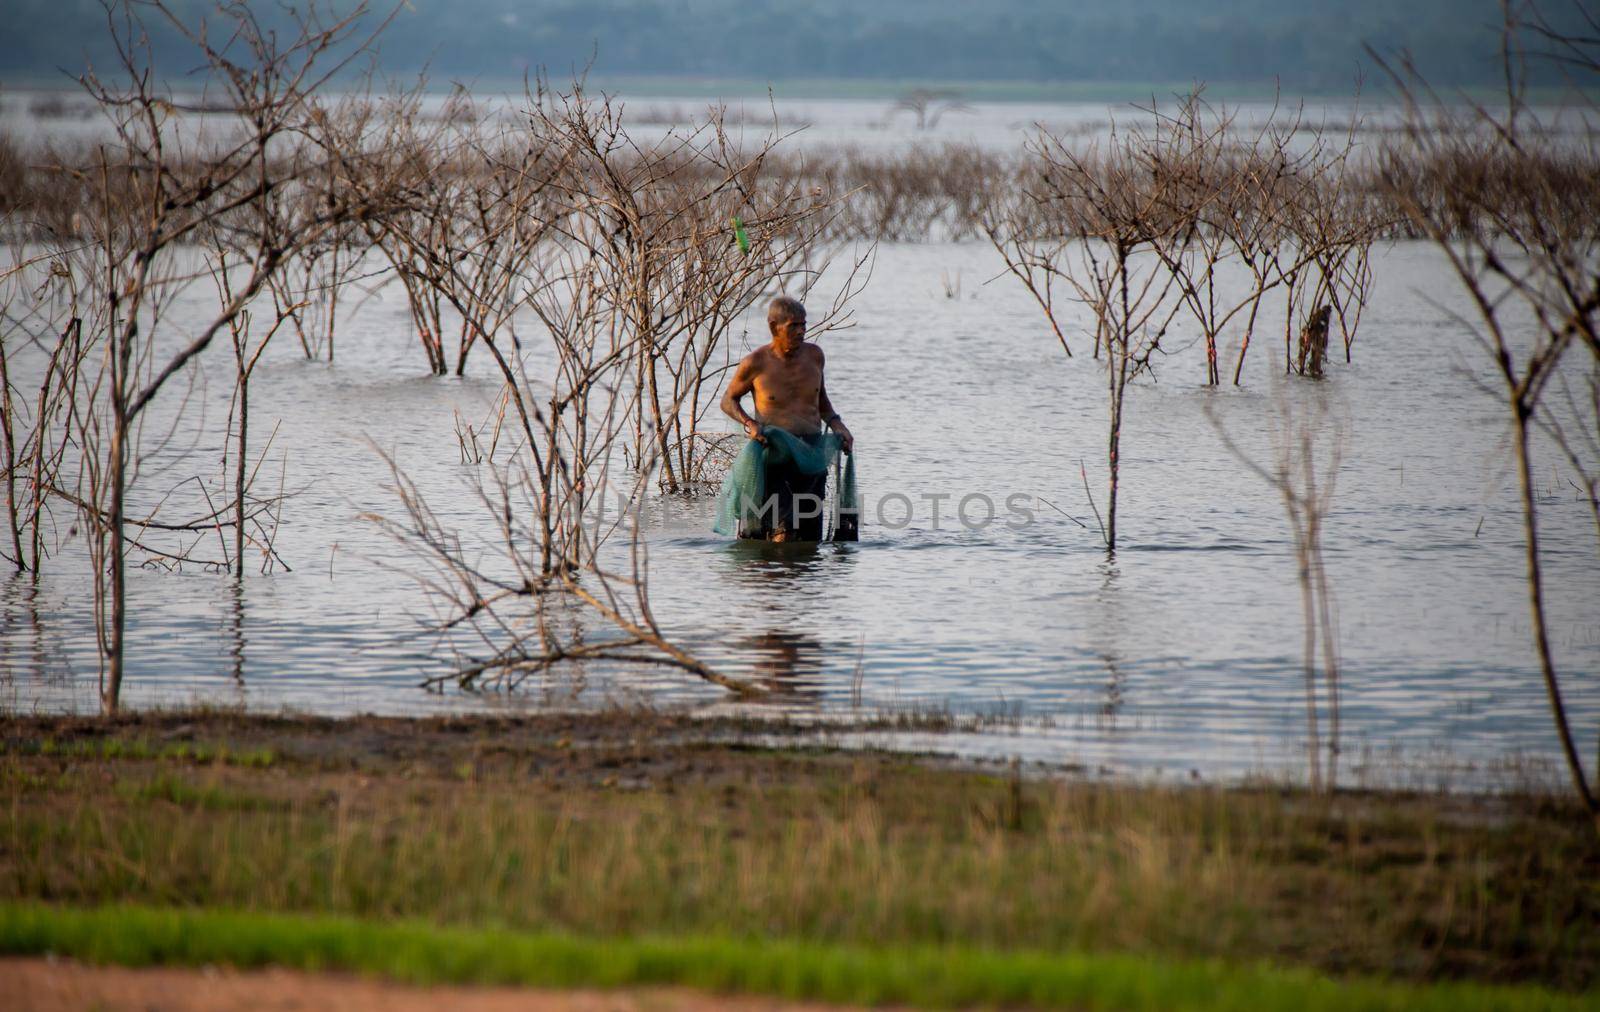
x=786, y=318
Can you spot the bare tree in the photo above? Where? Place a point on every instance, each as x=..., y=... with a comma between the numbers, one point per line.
x=1490, y=189
x=929, y=105
x=306, y=291
x=247, y=352
x=163, y=184
x=1143, y=227
x=42, y=316
x=1104, y=216
x=631, y=278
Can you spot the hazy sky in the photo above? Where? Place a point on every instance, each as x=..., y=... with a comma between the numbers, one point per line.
x=1310, y=46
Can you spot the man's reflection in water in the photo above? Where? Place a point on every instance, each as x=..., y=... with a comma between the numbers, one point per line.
x=777, y=564
x=784, y=566
x=784, y=582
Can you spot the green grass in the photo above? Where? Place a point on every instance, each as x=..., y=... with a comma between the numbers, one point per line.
x=140, y=748
x=926, y=976
x=487, y=826
x=178, y=791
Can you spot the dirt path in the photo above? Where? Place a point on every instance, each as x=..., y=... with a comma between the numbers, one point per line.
x=39, y=985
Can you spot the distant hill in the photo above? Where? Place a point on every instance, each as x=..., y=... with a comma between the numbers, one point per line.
x=1310, y=45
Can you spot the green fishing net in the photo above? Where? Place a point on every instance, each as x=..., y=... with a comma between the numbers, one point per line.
x=744, y=494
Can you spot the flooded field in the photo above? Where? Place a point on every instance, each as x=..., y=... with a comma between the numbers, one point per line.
x=1180, y=655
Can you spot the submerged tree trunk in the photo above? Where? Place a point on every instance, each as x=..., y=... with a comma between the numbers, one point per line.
x=1113, y=455
x=1119, y=347
x=1249, y=329
x=111, y=691
x=239, y=472
x=9, y=438
x=1541, y=637
x=1213, y=374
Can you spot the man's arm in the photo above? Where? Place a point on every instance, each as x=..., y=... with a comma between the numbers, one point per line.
x=831, y=417
x=743, y=381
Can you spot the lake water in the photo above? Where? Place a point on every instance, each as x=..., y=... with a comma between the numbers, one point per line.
x=1180, y=656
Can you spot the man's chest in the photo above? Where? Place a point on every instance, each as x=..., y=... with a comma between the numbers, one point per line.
x=786, y=380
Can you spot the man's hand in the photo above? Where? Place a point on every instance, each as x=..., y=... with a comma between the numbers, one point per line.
x=752, y=428
x=847, y=441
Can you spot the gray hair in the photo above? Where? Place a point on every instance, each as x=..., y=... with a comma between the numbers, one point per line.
x=783, y=310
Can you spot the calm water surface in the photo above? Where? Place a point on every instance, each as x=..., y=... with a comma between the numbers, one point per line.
x=1180, y=654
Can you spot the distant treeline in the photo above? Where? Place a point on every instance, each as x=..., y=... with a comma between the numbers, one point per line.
x=936, y=192
x=1315, y=46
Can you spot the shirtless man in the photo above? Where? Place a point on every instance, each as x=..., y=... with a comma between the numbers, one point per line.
x=786, y=378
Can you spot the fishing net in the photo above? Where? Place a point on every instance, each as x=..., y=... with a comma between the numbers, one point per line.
x=743, y=509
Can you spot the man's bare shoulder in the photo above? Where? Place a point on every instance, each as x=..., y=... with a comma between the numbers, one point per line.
x=816, y=353
x=755, y=361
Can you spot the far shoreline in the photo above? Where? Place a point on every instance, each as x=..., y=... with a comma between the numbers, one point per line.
x=713, y=89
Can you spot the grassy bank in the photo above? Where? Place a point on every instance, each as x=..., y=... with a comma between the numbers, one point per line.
x=626, y=828
x=950, y=976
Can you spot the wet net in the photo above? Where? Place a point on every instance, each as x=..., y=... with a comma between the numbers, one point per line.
x=743, y=508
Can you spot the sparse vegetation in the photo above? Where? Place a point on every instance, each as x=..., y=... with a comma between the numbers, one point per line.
x=638, y=830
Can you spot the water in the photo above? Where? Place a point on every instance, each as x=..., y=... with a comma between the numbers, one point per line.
x=1180, y=654
x=864, y=124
